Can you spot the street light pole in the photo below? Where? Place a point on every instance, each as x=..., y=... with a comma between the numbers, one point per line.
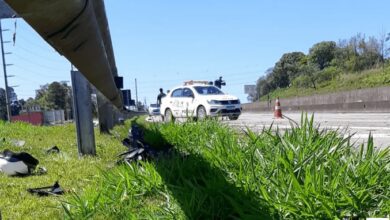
x=5, y=75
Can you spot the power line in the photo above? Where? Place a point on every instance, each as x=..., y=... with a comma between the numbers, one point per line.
x=25, y=78
x=147, y=86
x=31, y=71
x=179, y=80
x=32, y=32
x=39, y=55
x=172, y=81
x=242, y=83
x=35, y=63
x=32, y=43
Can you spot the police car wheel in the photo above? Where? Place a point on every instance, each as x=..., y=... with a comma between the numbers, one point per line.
x=201, y=113
x=168, y=117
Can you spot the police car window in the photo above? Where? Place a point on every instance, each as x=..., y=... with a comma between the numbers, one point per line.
x=177, y=93
x=187, y=93
x=208, y=90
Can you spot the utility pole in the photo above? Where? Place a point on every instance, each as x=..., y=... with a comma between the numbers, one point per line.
x=136, y=94
x=8, y=104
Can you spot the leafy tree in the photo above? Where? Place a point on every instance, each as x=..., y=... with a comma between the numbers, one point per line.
x=56, y=95
x=22, y=103
x=386, y=49
x=264, y=84
x=322, y=53
x=382, y=46
x=30, y=103
x=370, y=55
x=3, y=107
x=325, y=62
x=287, y=68
x=359, y=54
x=343, y=55
x=15, y=108
x=40, y=93
x=309, y=75
x=53, y=96
x=328, y=74
x=280, y=78
x=263, y=87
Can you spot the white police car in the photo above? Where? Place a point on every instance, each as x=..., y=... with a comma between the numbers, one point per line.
x=198, y=99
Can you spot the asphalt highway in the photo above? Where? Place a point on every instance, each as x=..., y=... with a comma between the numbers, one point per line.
x=359, y=125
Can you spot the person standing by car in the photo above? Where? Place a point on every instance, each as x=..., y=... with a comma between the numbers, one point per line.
x=160, y=96
x=219, y=82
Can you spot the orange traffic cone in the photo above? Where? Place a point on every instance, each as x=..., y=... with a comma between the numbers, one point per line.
x=278, y=109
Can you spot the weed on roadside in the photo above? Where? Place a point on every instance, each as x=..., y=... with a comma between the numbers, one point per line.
x=215, y=172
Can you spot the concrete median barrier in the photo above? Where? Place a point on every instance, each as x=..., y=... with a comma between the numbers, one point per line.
x=362, y=100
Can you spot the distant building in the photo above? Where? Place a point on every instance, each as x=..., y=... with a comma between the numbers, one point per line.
x=32, y=108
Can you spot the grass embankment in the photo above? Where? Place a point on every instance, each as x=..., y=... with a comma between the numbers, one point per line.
x=74, y=174
x=213, y=172
x=343, y=82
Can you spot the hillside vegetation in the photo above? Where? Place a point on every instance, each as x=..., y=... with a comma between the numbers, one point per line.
x=344, y=82
x=356, y=63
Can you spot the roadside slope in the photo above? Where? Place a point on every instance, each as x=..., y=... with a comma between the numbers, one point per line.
x=344, y=82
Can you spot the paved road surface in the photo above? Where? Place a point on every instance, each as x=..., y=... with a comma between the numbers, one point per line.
x=359, y=123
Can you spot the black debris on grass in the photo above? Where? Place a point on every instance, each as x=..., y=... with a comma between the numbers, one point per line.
x=47, y=190
x=138, y=150
x=53, y=150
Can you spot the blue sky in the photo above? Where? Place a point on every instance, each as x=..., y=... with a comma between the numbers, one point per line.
x=163, y=43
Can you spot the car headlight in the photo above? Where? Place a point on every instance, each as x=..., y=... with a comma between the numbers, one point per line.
x=214, y=102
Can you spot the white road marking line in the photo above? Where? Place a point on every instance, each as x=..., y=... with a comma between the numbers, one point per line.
x=365, y=136
x=358, y=128
x=324, y=127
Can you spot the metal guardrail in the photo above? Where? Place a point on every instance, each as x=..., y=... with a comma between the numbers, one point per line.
x=78, y=30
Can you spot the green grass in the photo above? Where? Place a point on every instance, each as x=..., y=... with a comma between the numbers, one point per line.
x=214, y=172
x=74, y=174
x=345, y=82
x=211, y=172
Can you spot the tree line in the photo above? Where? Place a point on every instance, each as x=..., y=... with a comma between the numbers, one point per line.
x=325, y=61
x=53, y=96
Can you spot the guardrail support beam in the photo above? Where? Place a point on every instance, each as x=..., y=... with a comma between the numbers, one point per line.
x=83, y=114
x=105, y=113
